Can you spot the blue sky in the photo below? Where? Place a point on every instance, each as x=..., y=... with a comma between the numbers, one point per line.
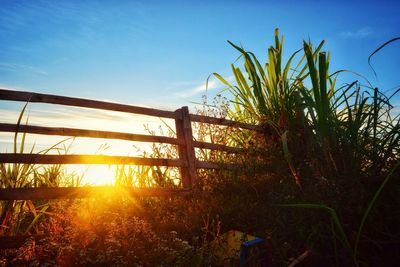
x=159, y=53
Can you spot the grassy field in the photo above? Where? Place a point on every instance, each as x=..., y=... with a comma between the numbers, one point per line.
x=323, y=179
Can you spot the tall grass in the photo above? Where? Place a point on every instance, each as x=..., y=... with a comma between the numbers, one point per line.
x=267, y=93
x=20, y=216
x=350, y=124
x=304, y=104
x=340, y=142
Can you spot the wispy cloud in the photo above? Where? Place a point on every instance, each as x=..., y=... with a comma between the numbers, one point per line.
x=83, y=24
x=358, y=34
x=21, y=67
x=203, y=87
x=44, y=115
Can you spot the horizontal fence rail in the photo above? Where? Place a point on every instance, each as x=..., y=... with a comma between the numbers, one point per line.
x=88, y=159
x=32, y=97
x=186, y=161
x=6, y=127
x=84, y=103
x=225, y=122
x=211, y=146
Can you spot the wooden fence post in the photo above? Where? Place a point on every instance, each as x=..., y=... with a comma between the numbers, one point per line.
x=186, y=152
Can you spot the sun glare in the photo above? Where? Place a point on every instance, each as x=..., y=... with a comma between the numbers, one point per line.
x=94, y=174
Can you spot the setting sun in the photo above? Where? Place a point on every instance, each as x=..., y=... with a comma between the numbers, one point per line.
x=94, y=174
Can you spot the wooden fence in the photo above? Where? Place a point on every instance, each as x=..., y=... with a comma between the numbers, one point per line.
x=187, y=161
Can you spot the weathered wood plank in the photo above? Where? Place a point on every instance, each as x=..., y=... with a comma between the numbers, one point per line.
x=81, y=102
x=87, y=159
x=225, y=122
x=217, y=166
x=182, y=151
x=6, y=127
x=42, y=193
x=190, y=153
x=211, y=146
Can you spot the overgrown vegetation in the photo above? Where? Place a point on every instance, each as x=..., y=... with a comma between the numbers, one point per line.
x=323, y=178
x=341, y=144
